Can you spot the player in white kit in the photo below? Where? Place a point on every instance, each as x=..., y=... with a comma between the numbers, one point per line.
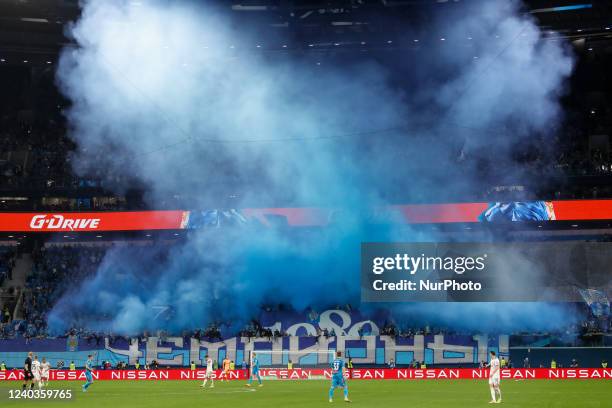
x=36, y=371
x=209, y=373
x=494, y=379
x=44, y=372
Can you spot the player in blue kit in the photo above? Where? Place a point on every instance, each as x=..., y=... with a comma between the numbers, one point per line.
x=338, y=370
x=88, y=373
x=254, y=371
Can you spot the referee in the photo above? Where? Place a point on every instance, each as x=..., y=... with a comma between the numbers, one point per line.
x=27, y=372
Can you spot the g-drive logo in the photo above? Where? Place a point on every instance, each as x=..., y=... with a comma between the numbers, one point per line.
x=57, y=221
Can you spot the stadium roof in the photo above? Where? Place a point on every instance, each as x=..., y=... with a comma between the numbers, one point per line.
x=33, y=30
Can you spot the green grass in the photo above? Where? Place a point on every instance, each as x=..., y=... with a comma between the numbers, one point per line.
x=296, y=394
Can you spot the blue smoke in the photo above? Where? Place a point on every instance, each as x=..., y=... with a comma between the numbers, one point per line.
x=174, y=97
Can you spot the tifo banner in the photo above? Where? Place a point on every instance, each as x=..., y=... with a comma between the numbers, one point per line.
x=302, y=351
x=308, y=338
x=318, y=374
x=571, y=210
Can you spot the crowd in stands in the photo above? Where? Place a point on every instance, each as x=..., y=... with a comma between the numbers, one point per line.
x=38, y=155
x=55, y=270
x=7, y=263
x=8, y=256
x=35, y=155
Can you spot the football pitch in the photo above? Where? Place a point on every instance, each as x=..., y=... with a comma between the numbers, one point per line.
x=296, y=394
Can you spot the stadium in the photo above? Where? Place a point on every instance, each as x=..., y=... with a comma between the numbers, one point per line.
x=303, y=203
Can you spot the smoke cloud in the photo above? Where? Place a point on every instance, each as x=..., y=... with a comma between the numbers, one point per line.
x=176, y=98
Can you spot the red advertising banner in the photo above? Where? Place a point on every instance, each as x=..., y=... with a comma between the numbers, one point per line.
x=318, y=374
x=93, y=221
x=580, y=210
x=441, y=213
x=571, y=210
